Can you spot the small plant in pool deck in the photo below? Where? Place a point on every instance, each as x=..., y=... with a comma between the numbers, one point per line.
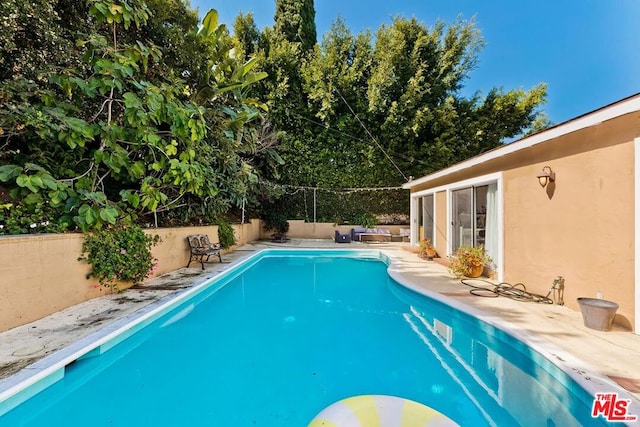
x=469, y=261
x=120, y=254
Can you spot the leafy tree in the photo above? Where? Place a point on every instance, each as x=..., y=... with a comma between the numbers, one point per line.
x=280, y=51
x=415, y=92
x=336, y=77
x=286, y=99
x=35, y=37
x=241, y=138
x=122, y=109
x=295, y=22
x=285, y=48
x=122, y=135
x=139, y=135
x=371, y=113
x=397, y=105
x=247, y=33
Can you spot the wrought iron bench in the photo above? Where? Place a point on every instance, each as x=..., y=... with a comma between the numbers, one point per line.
x=200, y=247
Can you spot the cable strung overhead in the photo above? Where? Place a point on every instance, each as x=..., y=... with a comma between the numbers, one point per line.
x=331, y=190
x=371, y=136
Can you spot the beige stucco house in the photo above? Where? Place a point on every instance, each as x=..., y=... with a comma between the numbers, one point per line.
x=583, y=226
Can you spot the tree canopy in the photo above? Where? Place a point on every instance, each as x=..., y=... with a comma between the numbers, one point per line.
x=370, y=110
x=295, y=22
x=142, y=115
x=132, y=110
x=363, y=110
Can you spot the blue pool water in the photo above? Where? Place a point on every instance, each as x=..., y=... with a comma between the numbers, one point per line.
x=274, y=344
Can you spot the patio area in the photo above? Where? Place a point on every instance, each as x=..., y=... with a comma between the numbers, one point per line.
x=615, y=354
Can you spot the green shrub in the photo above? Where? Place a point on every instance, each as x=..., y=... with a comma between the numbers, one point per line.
x=276, y=221
x=367, y=220
x=23, y=219
x=226, y=236
x=119, y=254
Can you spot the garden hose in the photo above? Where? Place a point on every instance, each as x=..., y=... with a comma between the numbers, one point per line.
x=516, y=292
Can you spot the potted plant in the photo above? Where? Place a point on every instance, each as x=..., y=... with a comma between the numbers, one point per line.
x=469, y=261
x=426, y=249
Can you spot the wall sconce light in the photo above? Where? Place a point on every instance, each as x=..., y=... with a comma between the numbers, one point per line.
x=546, y=176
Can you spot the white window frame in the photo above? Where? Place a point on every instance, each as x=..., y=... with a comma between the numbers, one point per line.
x=415, y=215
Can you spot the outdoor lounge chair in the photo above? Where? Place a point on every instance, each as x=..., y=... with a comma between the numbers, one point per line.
x=200, y=247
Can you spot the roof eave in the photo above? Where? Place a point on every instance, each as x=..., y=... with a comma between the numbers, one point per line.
x=611, y=111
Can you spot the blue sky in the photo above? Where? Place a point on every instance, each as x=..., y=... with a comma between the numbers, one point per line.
x=587, y=51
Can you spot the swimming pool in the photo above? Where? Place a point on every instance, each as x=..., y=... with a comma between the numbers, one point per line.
x=280, y=337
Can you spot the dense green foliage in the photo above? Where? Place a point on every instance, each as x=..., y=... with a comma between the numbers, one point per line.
x=275, y=220
x=119, y=255
x=393, y=108
x=124, y=111
x=364, y=111
x=226, y=236
x=339, y=207
x=130, y=111
x=295, y=22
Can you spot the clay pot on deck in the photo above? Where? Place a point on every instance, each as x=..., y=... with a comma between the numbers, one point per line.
x=474, y=271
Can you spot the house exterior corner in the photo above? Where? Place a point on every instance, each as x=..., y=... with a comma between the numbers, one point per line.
x=582, y=225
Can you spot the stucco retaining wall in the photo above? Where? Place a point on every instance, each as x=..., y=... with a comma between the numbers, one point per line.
x=40, y=274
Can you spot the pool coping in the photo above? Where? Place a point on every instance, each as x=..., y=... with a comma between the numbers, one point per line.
x=576, y=369
x=30, y=380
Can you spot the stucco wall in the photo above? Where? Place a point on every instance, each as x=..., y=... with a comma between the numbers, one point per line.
x=441, y=223
x=40, y=274
x=580, y=227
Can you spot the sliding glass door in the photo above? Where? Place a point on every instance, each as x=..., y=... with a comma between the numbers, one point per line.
x=469, y=216
x=461, y=209
x=427, y=218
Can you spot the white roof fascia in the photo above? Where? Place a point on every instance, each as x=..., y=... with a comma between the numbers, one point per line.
x=590, y=119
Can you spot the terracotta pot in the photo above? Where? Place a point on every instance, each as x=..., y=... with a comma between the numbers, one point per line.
x=475, y=271
x=427, y=254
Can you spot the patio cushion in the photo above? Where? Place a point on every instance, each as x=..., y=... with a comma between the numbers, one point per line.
x=342, y=237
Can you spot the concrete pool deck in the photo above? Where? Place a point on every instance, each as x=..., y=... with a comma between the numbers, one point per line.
x=614, y=354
